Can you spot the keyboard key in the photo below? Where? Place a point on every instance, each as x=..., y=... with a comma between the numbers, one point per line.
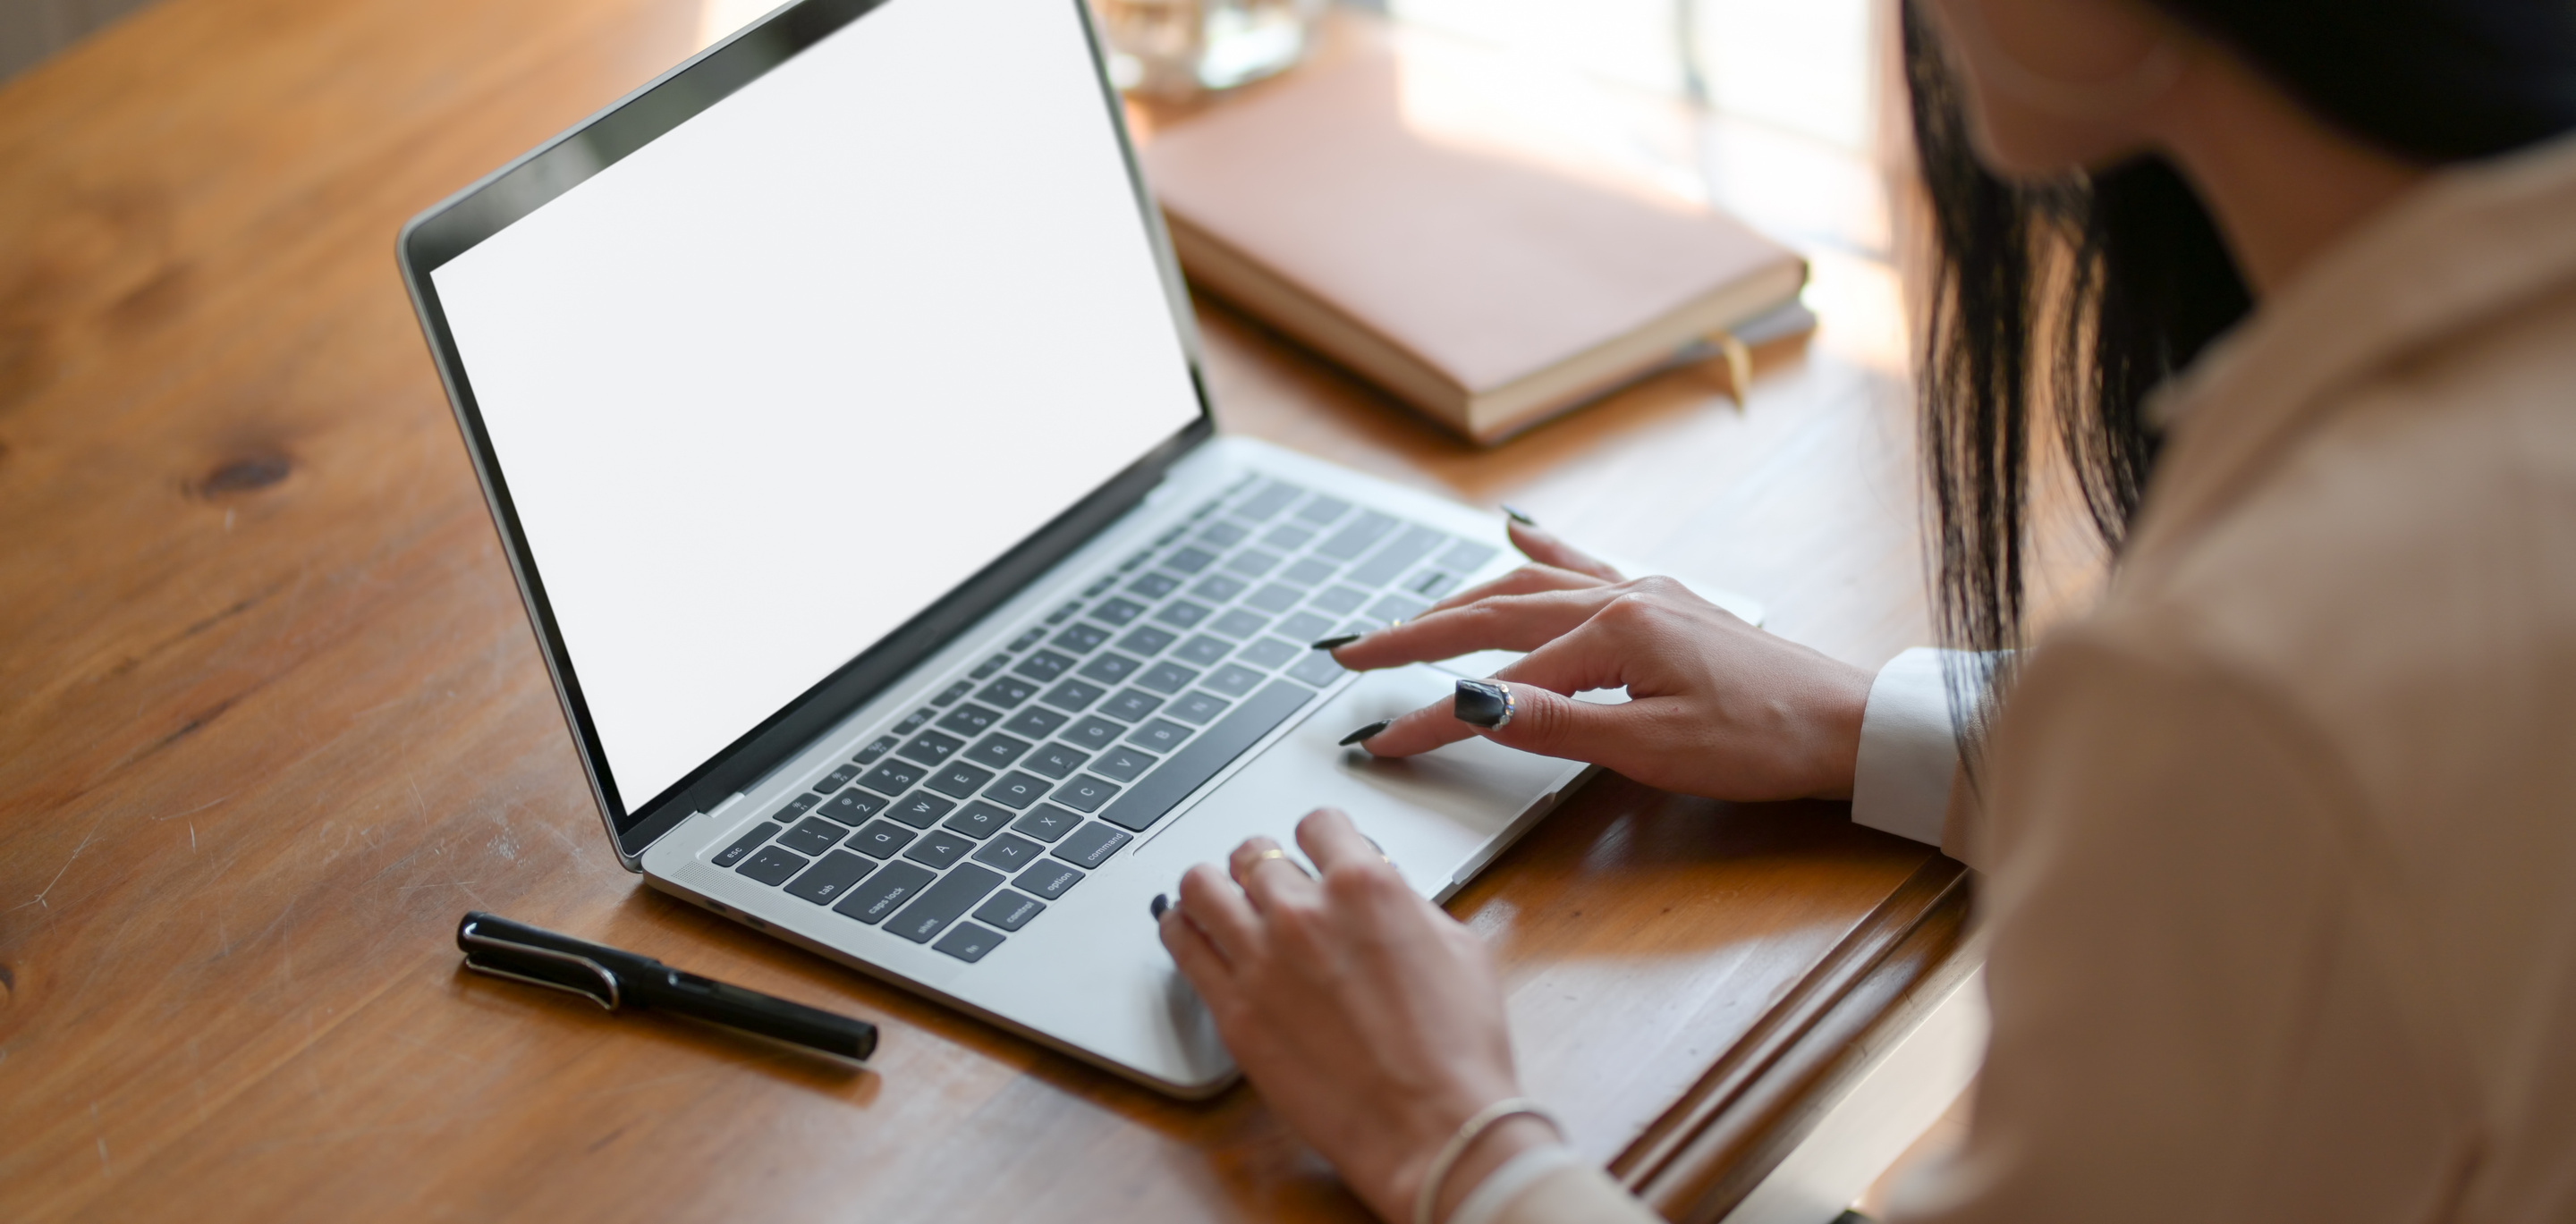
x=891, y=778
x=876, y=897
x=1167, y=677
x=1063, y=614
x=1046, y=822
x=958, y=781
x=985, y=669
x=1009, y=910
x=930, y=748
x=971, y=719
x=1134, y=561
x=852, y=806
x=1006, y=693
x=799, y=805
x=1273, y=498
x=1154, y=586
x=881, y=839
x=833, y=781
x=1160, y=735
x=1085, y=793
x=921, y=809
x=1071, y=696
x=1322, y=510
x=1110, y=668
x=996, y=751
x=1048, y=879
x=1094, y=733
x=814, y=836
x=969, y=942
x=1234, y=680
x=1117, y=611
x=1146, y=641
x=827, y=880
x=1253, y=562
x=1035, y=723
x=1217, y=588
x=1304, y=627
x=1055, y=761
x=1239, y=624
x=1213, y=750
x=1044, y=666
x=949, y=695
x=939, y=849
x=1009, y=853
x=1081, y=639
x=1025, y=640
x=1131, y=705
x=1466, y=557
x=1307, y=572
x=772, y=866
x=1091, y=845
x=1340, y=600
x=742, y=848
x=979, y=820
x=1269, y=652
x=1355, y=538
x=1431, y=584
x=1124, y=764
x=1093, y=591
x=1203, y=650
x=1189, y=560
x=1181, y=613
x=1317, y=668
x=1391, y=561
x=914, y=721
x=942, y=903
x=877, y=747
x=1197, y=708
x=1274, y=598
x=1017, y=790
x=1223, y=535
x=1174, y=533
x=1395, y=608
x=1287, y=537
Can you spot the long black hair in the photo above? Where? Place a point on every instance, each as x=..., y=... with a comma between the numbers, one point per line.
x=2075, y=299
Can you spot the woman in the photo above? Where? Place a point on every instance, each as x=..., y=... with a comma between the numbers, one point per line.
x=2279, y=838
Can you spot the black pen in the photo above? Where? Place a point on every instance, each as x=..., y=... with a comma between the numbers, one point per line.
x=620, y=981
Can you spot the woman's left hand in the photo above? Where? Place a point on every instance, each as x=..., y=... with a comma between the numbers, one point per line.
x=1370, y=1020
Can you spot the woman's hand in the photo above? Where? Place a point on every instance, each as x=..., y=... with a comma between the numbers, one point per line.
x=1716, y=707
x=1371, y=1021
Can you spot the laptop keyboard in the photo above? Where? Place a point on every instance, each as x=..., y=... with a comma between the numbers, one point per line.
x=963, y=820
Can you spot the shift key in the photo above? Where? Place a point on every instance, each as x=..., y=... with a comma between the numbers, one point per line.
x=944, y=902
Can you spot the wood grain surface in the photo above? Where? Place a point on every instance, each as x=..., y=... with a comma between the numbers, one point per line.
x=271, y=718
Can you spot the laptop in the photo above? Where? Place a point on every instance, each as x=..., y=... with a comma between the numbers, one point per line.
x=838, y=404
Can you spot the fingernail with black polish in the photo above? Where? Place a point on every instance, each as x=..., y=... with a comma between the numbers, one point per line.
x=1368, y=732
x=1335, y=643
x=1482, y=703
x=1158, y=905
x=1520, y=518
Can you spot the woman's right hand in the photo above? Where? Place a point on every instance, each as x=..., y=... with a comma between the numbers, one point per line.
x=1716, y=706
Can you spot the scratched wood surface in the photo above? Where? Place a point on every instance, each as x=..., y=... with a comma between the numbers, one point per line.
x=271, y=718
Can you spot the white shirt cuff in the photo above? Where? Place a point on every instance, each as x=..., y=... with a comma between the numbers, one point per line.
x=1507, y=1181
x=1908, y=749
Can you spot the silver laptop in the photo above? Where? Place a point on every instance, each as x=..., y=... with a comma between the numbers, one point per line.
x=839, y=407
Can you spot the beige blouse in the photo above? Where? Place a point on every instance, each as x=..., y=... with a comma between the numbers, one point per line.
x=2280, y=841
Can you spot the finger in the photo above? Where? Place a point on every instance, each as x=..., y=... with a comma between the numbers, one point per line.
x=1268, y=877
x=1527, y=580
x=1545, y=720
x=1221, y=912
x=1330, y=839
x=1504, y=622
x=1432, y=726
x=1542, y=546
x=1197, y=958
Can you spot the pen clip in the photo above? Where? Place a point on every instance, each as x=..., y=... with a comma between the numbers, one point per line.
x=504, y=950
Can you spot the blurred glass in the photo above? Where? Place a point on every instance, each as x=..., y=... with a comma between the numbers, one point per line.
x=1175, y=48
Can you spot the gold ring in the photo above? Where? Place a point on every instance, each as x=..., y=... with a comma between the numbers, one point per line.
x=1272, y=853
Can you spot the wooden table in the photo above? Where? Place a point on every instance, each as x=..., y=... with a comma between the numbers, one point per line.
x=271, y=718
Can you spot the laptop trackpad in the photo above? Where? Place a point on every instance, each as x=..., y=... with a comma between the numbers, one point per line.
x=1435, y=814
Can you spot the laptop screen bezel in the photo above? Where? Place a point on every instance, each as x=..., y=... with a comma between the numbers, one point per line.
x=455, y=225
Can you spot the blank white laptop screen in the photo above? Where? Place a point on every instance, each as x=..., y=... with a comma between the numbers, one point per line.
x=772, y=384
